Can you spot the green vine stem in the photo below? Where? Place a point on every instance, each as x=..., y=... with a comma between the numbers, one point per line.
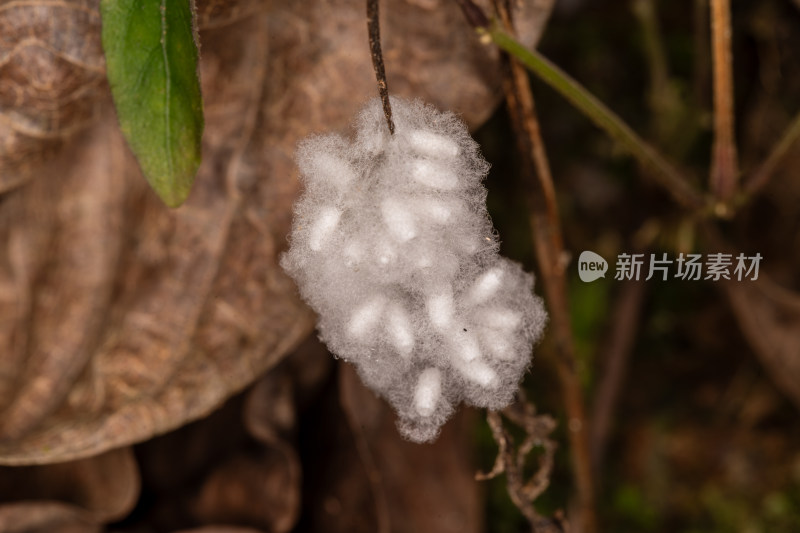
x=663, y=172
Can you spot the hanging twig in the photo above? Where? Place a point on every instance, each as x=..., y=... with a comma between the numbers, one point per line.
x=548, y=243
x=511, y=460
x=374, y=29
x=724, y=168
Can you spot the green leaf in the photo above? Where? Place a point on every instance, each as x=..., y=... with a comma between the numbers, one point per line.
x=151, y=62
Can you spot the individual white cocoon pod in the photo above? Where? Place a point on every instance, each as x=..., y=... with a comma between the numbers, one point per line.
x=433, y=174
x=441, y=308
x=399, y=220
x=366, y=317
x=486, y=285
x=437, y=210
x=323, y=226
x=428, y=391
x=398, y=325
x=479, y=373
x=432, y=145
x=333, y=170
x=394, y=249
x=501, y=318
x=465, y=345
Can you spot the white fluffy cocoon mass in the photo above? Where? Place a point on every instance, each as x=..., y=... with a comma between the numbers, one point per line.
x=393, y=248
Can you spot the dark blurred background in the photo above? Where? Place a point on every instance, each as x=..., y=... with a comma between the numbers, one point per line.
x=696, y=384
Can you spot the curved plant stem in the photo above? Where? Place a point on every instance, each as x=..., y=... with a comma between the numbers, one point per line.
x=724, y=168
x=374, y=30
x=762, y=174
x=549, y=246
x=662, y=171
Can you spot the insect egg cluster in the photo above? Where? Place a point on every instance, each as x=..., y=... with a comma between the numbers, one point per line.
x=393, y=248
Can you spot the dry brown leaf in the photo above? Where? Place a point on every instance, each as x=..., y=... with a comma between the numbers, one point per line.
x=105, y=487
x=45, y=517
x=263, y=488
x=220, y=529
x=417, y=487
x=121, y=319
x=769, y=316
x=51, y=70
x=175, y=466
x=237, y=467
x=270, y=413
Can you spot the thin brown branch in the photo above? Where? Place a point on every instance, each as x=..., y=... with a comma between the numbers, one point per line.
x=550, y=254
x=761, y=175
x=374, y=30
x=724, y=167
x=625, y=322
